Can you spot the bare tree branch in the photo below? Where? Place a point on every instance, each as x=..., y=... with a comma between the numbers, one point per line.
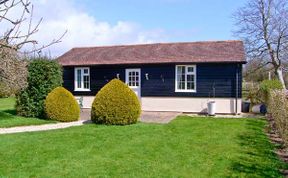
x=263, y=26
x=15, y=38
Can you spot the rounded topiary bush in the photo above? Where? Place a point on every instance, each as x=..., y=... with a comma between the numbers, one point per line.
x=115, y=104
x=60, y=105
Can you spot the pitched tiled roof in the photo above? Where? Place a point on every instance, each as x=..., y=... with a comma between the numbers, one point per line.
x=193, y=52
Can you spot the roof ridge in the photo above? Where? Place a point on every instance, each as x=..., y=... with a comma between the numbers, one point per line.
x=160, y=43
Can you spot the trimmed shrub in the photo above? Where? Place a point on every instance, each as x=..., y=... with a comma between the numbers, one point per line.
x=43, y=76
x=278, y=108
x=115, y=104
x=25, y=105
x=60, y=105
x=266, y=86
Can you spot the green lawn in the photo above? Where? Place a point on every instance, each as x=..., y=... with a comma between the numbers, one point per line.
x=8, y=117
x=186, y=147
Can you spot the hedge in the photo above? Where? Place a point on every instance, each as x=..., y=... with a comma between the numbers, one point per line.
x=43, y=76
x=278, y=108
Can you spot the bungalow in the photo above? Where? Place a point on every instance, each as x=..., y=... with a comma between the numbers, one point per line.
x=165, y=76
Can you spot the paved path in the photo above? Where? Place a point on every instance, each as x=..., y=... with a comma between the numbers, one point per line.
x=149, y=117
x=158, y=117
x=34, y=128
x=85, y=114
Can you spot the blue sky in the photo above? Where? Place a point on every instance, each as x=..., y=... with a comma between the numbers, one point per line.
x=204, y=20
x=106, y=22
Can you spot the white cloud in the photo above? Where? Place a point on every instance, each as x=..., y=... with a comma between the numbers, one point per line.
x=84, y=29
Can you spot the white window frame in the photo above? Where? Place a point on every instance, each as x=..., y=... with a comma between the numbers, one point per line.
x=82, y=79
x=186, y=73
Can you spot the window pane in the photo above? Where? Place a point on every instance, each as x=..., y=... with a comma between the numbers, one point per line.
x=182, y=85
x=180, y=70
x=85, y=71
x=79, y=78
x=190, y=78
x=190, y=69
x=181, y=77
x=190, y=82
x=190, y=86
x=86, y=82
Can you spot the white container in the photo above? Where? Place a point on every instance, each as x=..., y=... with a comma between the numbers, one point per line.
x=211, y=108
x=259, y=109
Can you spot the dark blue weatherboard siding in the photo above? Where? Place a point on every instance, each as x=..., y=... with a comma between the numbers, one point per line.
x=162, y=79
x=99, y=76
x=222, y=76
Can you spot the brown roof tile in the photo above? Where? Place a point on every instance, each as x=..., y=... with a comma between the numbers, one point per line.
x=193, y=52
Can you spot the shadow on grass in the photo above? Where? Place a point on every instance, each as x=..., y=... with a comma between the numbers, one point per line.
x=8, y=114
x=4, y=115
x=10, y=111
x=256, y=154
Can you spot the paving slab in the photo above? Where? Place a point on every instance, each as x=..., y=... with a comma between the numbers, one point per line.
x=158, y=117
x=85, y=114
x=146, y=116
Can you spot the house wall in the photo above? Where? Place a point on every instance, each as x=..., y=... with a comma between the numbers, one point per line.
x=161, y=84
x=188, y=104
x=181, y=104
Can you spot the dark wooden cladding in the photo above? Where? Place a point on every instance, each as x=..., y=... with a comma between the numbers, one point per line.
x=162, y=79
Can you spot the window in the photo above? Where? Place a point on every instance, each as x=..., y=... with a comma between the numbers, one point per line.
x=185, y=78
x=133, y=78
x=82, y=79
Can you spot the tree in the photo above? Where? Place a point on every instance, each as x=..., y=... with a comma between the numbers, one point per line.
x=13, y=73
x=263, y=26
x=19, y=32
x=16, y=36
x=43, y=76
x=253, y=71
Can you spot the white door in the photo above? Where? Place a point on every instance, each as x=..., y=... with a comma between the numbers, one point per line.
x=133, y=80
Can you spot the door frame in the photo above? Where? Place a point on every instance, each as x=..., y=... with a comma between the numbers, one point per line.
x=127, y=70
